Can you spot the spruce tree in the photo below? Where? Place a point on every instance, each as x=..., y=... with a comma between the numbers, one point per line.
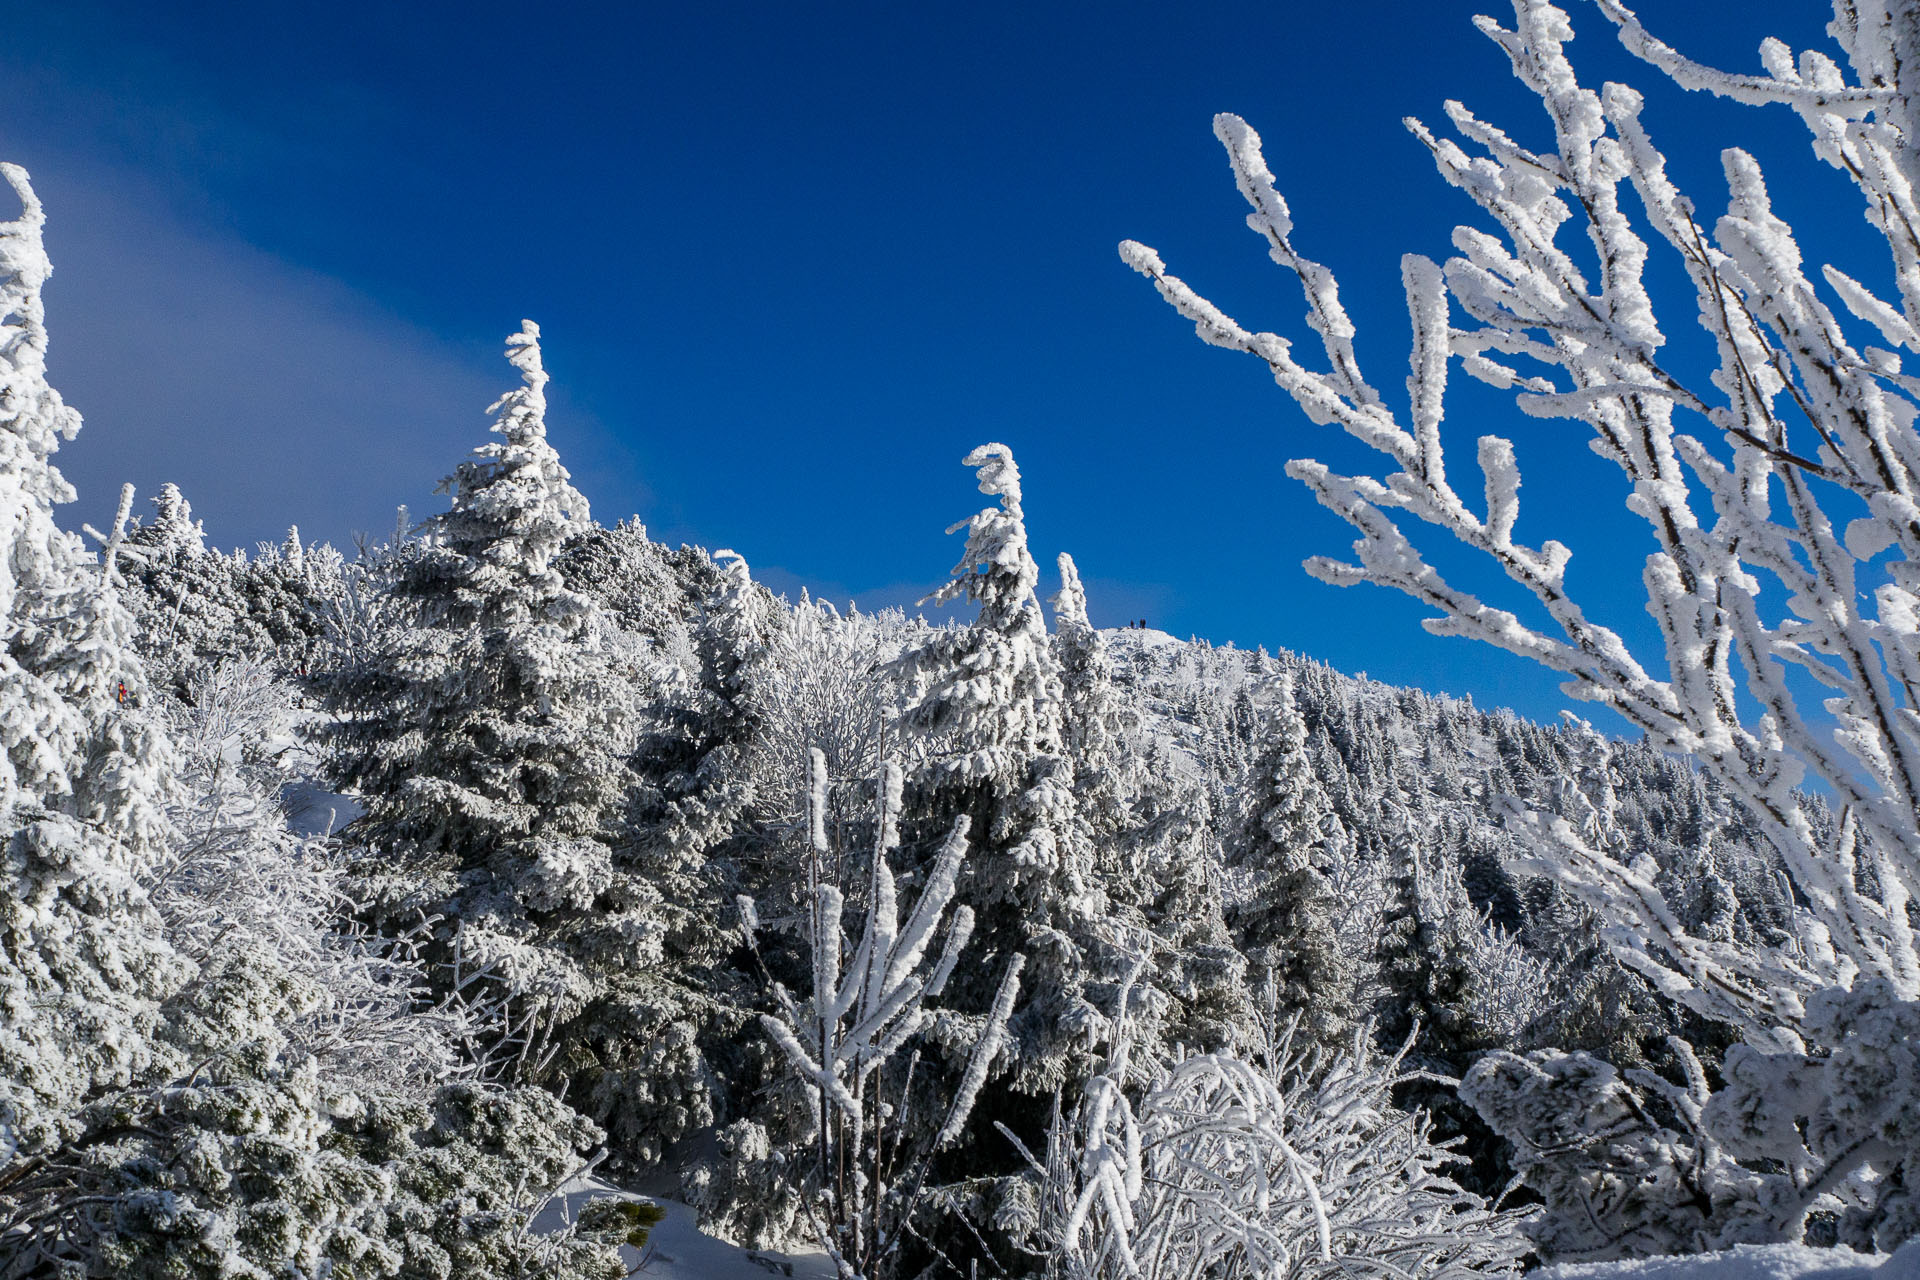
x=985, y=711
x=1155, y=859
x=83, y=964
x=187, y=597
x=984, y=720
x=1284, y=916
x=484, y=739
x=1092, y=716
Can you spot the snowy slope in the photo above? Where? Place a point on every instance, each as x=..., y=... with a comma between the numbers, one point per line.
x=1751, y=1262
x=678, y=1250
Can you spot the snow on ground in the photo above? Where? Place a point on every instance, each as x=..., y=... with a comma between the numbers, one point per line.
x=312, y=810
x=1751, y=1262
x=1138, y=638
x=678, y=1250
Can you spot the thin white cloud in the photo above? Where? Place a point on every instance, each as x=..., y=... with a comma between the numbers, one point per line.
x=271, y=394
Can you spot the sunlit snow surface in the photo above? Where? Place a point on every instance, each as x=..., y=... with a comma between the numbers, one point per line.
x=312, y=810
x=1751, y=1262
x=679, y=1250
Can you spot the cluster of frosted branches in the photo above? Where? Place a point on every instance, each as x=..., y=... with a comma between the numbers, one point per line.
x=1512, y=987
x=236, y=887
x=865, y=1009
x=819, y=682
x=1269, y=1166
x=1801, y=575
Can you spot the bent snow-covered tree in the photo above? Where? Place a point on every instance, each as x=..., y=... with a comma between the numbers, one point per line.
x=984, y=722
x=985, y=713
x=1779, y=494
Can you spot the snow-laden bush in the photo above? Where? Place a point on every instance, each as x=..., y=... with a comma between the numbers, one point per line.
x=237, y=881
x=1274, y=1165
x=1632, y=1164
x=852, y=1043
x=819, y=683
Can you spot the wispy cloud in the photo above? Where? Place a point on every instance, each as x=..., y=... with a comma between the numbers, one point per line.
x=271, y=394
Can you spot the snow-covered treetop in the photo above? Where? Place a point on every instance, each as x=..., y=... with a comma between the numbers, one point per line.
x=50, y=641
x=1070, y=604
x=994, y=687
x=996, y=570
x=174, y=528
x=515, y=504
x=33, y=418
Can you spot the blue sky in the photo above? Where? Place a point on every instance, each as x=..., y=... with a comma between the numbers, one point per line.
x=792, y=262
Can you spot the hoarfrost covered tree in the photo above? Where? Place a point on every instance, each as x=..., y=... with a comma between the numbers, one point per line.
x=473, y=736
x=821, y=682
x=983, y=717
x=1800, y=575
x=83, y=964
x=488, y=732
x=1283, y=912
x=155, y=1119
x=1093, y=716
x=237, y=889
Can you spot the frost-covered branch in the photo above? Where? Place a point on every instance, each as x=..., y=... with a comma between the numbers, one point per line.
x=1796, y=573
x=866, y=1007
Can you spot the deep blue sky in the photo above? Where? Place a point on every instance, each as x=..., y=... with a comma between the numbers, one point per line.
x=791, y=263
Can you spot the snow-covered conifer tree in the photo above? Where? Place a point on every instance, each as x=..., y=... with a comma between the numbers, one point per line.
x=154, y=1118
x=1283, y=913
x=488, y=734
x=1092, y=715
x=174, y=530
x=82, y=960
x=984, y=717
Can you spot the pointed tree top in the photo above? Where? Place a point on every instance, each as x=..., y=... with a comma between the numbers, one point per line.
x=514, y=503
x=29, y=407
x=523, y=352
x=996, y=570
x=1070, y=604
x=174, y=528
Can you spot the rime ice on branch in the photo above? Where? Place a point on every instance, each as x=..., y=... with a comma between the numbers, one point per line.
x=866, y=1008
x=1787, y=602
x=1780, y=494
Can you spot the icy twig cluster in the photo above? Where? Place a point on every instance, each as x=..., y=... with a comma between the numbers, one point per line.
x=1799, y=576
x=865, y=1009
x=1273, y=1164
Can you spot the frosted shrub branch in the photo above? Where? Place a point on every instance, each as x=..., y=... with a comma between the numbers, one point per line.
x=1280, y=1162
x=1798, y=569
x=865, y=1009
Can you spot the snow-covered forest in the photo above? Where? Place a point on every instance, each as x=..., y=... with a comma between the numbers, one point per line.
x=485, y=899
